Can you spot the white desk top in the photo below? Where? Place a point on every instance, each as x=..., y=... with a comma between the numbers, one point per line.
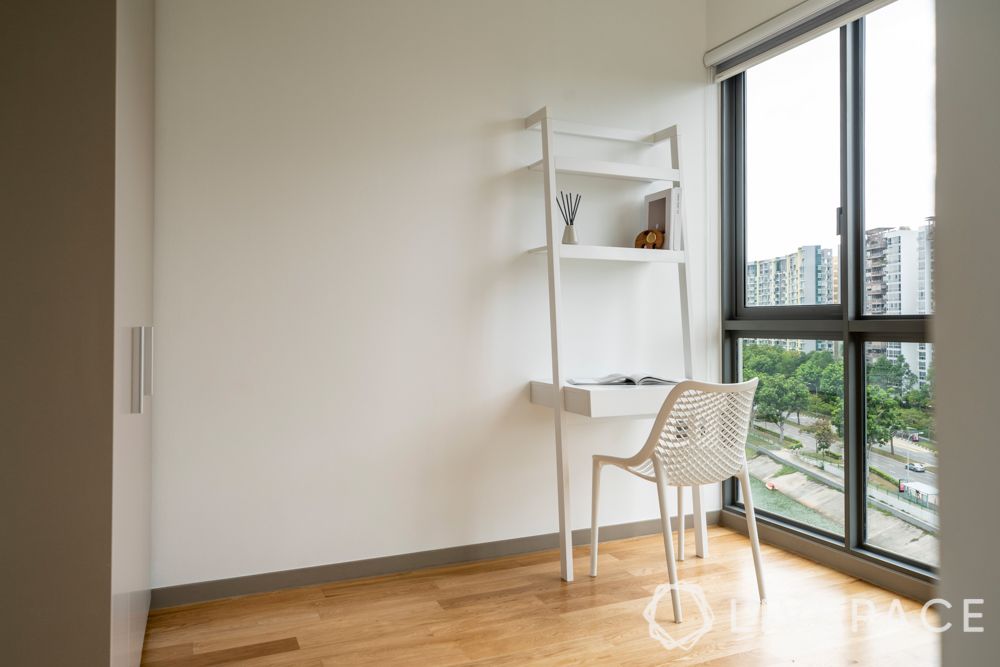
x=603, y=400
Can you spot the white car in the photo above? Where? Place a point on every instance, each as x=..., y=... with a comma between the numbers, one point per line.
x=916, y=467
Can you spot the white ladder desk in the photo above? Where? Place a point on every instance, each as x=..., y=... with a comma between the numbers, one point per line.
x=596, y=401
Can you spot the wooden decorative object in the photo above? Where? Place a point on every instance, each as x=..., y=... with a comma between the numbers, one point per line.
x=651, y=238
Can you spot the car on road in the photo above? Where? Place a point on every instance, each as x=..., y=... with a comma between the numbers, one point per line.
x=916, y=467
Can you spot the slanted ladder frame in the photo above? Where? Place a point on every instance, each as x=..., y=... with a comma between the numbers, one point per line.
x=548, y=127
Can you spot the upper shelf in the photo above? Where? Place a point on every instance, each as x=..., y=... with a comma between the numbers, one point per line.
x=630, y=172
x=599, y=132
x=615, y=254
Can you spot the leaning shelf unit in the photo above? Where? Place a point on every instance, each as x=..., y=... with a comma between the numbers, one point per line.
x=596, y=401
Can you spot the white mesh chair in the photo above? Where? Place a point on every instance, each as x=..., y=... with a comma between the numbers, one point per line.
x=698, y=437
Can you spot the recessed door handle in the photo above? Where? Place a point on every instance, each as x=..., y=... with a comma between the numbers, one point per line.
x=138, y=361
x=142, y=366
x=147, y=361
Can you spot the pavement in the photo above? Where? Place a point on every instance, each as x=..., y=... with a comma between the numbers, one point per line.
x=877, y=459
x=884, y=530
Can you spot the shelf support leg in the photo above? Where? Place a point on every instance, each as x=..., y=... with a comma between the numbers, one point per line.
x=685, y=317
x=552, y=239
x=682, y=277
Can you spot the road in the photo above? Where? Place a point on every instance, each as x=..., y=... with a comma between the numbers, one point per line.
x=879, y=460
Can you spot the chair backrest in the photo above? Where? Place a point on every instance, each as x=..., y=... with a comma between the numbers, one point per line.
x=700, y=433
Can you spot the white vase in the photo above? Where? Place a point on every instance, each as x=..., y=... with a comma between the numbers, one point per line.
x=569, y=235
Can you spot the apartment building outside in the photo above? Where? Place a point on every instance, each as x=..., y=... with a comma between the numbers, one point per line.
x=899, y=265
x=807, y=276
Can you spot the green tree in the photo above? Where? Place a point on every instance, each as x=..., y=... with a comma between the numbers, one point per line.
x=837, y=418
x=914, y=419
x=922, y=397
x=778, y=397
x=882, y=418
x=822, y=431
x=810, y=371
x=820, y=406
x=760, y=359
x=831, y=381
x=893, y=375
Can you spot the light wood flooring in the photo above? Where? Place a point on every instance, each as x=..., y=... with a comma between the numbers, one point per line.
x=516, y=611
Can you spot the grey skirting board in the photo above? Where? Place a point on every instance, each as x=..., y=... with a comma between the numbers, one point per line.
x=203, y=591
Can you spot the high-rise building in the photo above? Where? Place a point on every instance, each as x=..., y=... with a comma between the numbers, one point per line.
x=925, y=294
x=890, y=264
x=925, y=268
x=899, y=264
x=808, y=276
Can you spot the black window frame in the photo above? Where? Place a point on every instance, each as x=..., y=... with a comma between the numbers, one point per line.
x=845, y=321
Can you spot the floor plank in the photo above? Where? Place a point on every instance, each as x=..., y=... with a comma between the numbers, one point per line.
x=231, y=655
x=515, y=610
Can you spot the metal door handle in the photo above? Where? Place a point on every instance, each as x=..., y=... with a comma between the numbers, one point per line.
x=142, y=366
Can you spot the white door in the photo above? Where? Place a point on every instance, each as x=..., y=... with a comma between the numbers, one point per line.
x=132, y=479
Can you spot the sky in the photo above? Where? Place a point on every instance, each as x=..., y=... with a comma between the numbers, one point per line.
x=793, y=133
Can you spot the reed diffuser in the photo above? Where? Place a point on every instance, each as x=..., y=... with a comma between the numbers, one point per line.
x=568, y=207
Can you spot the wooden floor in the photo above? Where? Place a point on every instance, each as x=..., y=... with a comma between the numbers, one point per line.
x=516, y=611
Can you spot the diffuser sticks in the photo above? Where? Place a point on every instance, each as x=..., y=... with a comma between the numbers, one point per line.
x=568, y=207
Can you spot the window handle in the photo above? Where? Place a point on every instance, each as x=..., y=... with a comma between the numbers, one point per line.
x=840, y=221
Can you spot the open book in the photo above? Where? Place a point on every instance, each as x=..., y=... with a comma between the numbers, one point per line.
x=619, y=379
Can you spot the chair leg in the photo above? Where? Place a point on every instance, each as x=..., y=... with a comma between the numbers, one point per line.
x=668, y=540
x=752, y=530
x=595, y=493
x=700, y=529
x=680, y=523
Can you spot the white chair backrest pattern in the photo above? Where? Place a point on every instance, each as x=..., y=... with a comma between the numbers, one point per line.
x=704, y=435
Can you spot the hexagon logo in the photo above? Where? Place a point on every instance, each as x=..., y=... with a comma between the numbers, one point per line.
x=657, y=632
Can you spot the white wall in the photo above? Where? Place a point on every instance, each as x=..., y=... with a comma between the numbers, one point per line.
x=967, y=238
x=346, y=319
x=729, y=18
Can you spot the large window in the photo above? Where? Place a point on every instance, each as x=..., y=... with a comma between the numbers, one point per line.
x=795, y=450
x=899, y=159
x=828, y=182
x=792, y=175
x=901, y=511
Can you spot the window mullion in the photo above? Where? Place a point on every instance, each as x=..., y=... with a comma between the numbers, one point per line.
x=852, y=273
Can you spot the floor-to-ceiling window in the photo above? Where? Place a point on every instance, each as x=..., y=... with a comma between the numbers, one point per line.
x=828, y=209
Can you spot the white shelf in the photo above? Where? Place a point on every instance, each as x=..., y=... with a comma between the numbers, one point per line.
x=615, y=254
x=604, y=401
x=600, y=401
x=534, y=122
x=621, y=170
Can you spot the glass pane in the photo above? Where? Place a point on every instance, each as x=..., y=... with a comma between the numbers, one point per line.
x=901, y=447
x=900, y=159
x=795, y=448
x=793, y=176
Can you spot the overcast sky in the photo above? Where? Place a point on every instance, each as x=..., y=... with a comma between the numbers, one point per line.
x=793, y=133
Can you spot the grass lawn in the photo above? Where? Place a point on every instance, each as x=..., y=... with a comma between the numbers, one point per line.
x=875, y=480
x=761, y=441
x=778, y=503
